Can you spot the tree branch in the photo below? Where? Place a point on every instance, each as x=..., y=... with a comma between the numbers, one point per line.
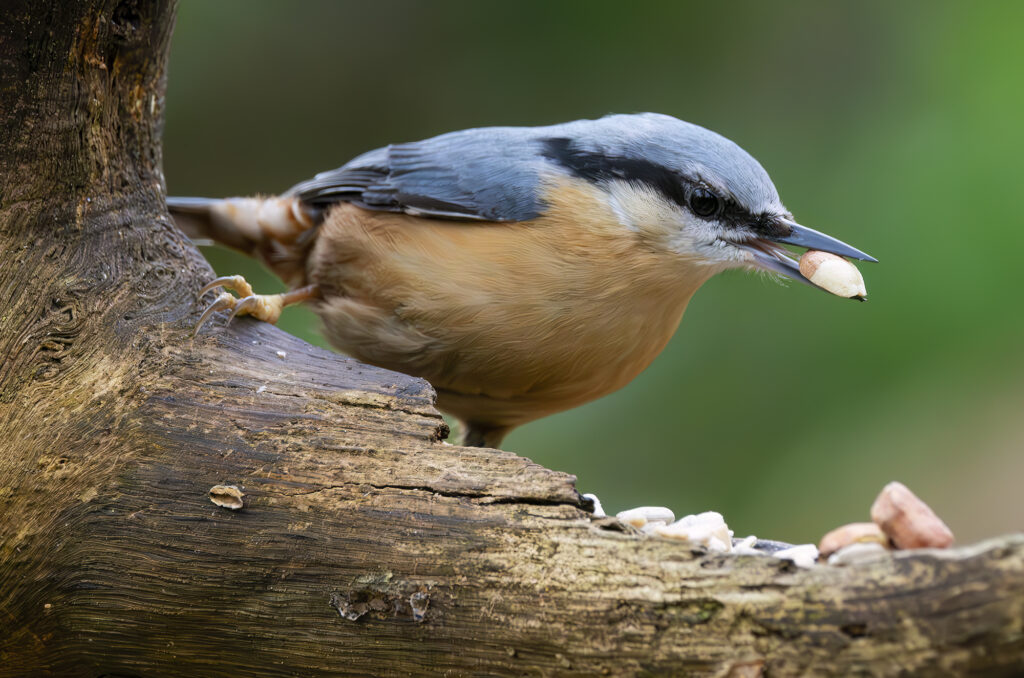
x=366, y=545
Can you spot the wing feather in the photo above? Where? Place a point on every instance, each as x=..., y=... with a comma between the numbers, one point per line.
x=487, y=174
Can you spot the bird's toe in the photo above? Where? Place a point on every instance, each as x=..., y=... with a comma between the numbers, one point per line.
x=266, y=307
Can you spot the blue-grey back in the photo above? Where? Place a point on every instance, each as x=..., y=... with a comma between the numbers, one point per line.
x=495, y=173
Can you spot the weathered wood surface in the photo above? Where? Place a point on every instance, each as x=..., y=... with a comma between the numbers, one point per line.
x=367, y=545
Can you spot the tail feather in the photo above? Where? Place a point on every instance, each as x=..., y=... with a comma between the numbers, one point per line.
x=193, y=216
x=277, y=230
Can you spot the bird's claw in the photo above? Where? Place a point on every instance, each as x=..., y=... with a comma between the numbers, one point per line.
x=232, y=282
x=265, y=307
x=225, y=300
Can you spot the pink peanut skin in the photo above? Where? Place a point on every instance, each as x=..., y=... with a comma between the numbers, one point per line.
x=907, y=520
x=851, y=534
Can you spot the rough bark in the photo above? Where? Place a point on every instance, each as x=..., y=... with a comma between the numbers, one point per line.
x=366, y=544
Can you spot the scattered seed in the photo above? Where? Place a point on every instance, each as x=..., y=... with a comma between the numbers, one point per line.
x=908, y=521
x=641, y=515
x=854, y=533
x=228, y=496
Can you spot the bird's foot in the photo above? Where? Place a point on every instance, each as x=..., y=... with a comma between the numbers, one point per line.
x=265, y=307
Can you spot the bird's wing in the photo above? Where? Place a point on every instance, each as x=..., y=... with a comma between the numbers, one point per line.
x=487, y=174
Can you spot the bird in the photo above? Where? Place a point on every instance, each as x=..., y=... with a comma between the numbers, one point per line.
x=521, y=271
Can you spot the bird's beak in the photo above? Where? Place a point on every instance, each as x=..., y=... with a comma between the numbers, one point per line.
x=774, y=258
x=801, y=236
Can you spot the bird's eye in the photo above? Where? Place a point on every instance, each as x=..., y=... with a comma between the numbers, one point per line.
x=704, y=203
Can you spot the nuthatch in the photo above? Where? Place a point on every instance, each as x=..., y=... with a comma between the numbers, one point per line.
x=520, y=270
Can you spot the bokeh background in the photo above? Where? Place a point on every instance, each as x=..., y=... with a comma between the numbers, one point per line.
x=894, y=126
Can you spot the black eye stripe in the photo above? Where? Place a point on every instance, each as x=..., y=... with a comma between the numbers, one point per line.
x=598, y=167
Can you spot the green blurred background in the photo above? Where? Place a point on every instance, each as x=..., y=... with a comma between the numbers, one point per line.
x=894, y=126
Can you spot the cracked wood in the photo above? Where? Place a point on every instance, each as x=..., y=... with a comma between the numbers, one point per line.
x=365, y=544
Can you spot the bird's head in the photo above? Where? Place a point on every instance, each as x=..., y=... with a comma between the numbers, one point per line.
x=688, y=190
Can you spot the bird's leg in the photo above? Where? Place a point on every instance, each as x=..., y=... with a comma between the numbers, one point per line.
x=266, y=307
x=483, y=435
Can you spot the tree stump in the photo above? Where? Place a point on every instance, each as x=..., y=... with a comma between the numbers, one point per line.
x=364, y=544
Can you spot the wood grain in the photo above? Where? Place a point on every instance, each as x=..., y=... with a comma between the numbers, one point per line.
x=366, y=545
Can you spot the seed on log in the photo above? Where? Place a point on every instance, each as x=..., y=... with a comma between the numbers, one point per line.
x=228, y=496
x=860, y=552
x=802, y=555
x=641, y=515
x=908, y=521
x=854, y=533
x=707, y=529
